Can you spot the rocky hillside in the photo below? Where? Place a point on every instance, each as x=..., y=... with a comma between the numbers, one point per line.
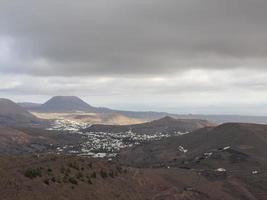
x=63, y=177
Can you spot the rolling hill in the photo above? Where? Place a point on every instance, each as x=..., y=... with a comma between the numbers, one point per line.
x=231, y=150
x=164, y=125
x=11, y=113
x=249, y=140
x=28, y=105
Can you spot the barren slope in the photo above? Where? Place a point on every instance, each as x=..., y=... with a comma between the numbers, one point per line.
x=57, y=177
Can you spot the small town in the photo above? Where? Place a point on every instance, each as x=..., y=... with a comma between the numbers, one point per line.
x=101, y=144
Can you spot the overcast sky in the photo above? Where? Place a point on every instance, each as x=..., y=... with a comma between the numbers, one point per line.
x=180, y=56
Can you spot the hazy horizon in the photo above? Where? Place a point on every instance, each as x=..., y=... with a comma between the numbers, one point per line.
x=155, y=108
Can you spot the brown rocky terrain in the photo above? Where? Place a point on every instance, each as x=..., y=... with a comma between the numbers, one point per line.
x=216, y=153
x=45, y=177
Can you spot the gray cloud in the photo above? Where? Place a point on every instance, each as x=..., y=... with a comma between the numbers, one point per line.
x=168, y=55
x=141, y=37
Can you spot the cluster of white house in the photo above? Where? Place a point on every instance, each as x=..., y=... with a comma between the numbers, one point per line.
x=102, y=144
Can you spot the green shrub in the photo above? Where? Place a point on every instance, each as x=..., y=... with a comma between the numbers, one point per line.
x=74, y=165
x=53, y=179
x=103, y=174
x=111, y=174
x=33, y=173
x=67, y=172
x=89, y=181
x=115, y=173
x=49, y=171
x=90, y=165
x=79, y=175
x=119, y=169
x=73, y=181
x=93, y=175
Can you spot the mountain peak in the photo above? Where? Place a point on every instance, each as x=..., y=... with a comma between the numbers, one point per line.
x=65, y=98
x=65, y=104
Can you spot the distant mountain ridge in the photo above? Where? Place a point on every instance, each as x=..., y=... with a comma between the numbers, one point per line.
x=65, y=104
x=72, y=104
x=68, y=104
x=28, y=105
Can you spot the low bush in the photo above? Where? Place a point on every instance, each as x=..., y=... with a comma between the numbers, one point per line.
x=73, y=181
x=103, y=174
x=93, y=175
x=33, y=173
x=74, y=165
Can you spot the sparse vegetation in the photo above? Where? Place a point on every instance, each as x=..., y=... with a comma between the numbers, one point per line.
x=49, y=171
x=33, y=173
x=90, y=165
x=103, y=174
x=111, y=174
x=74, y=165
x=53, y=179
x=79, y=175
x=115, y=173
x=93, y=175
x=119, y=169
x=73, y=181
x=89, y=181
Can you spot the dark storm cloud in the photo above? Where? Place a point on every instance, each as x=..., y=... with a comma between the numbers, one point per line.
x=103, y=37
